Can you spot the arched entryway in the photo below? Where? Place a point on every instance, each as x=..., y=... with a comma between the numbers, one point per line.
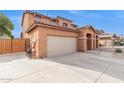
x=89, y=41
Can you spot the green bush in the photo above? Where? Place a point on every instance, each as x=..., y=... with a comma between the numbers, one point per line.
x=118, y=50
x=122, y=43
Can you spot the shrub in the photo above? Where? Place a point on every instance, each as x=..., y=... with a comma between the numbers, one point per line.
x=117, y=43
x=122, y=43
x=118, y=50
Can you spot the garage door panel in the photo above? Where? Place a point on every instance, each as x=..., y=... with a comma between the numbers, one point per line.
x=57, y=45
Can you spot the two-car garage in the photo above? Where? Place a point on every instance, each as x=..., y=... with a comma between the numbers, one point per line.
x=52, y=42
x=60, y=45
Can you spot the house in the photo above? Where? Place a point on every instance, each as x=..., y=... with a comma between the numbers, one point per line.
x=56, y=36
x=106, y=39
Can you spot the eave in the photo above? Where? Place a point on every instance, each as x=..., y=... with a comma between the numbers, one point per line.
x=51, y=26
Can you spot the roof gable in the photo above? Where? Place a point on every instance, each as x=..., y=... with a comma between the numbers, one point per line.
x=88, y=27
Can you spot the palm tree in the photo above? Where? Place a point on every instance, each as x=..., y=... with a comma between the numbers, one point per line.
x=5, y=25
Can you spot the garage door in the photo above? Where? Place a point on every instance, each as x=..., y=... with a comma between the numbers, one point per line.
x=57, y=45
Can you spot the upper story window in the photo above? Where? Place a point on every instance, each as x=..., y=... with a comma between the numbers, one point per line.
x=53, y=23
x=37, y=19
x=65, y=24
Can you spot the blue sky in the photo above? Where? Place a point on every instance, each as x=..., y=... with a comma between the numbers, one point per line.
x=111, y=21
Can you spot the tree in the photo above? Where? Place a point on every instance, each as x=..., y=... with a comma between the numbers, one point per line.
x=6, y=25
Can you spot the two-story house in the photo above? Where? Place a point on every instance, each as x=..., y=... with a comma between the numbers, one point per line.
x=56, y=36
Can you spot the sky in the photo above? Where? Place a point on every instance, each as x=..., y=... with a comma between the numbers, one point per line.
x=111, y=21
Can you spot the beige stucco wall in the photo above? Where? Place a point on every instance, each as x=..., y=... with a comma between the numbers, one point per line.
x=60, y=22
x=46, y=20
x=105, y=42
x=25, y=24
x=34, y=34
x=83, y=46
x=41, y=32
x=29, y=19
x=44, y=32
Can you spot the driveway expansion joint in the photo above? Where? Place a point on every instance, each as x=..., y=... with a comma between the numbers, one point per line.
x=102, y=73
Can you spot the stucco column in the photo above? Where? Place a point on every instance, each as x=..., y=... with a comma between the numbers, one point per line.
x=97, y=41
x=82, y=41
x=42, y=44
x=34, y=40
x=94, y=42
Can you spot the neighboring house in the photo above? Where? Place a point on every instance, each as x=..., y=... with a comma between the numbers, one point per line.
x=4, y=36
x=56, y=36
x=106, y=39
x=122, y=38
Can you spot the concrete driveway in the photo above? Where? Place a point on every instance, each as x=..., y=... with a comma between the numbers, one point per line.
x=94, y=66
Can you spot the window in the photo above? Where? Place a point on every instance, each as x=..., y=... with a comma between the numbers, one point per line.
x=37, y=19
x=53, y=23
x=65, y=25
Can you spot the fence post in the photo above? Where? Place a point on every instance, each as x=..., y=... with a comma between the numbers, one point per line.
x=11, y=45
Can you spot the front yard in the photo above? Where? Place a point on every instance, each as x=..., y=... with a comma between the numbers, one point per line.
x=93, y=66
